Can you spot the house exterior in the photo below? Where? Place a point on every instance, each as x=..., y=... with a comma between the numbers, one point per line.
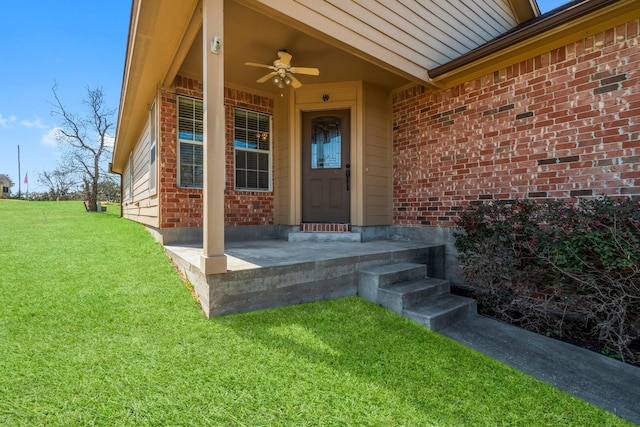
x=5, y=187
x=419, y=109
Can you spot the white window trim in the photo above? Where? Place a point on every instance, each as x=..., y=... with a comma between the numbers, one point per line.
x=253, y=150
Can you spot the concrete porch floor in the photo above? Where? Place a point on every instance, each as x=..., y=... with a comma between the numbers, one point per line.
x=246, y=255
x=272, y=273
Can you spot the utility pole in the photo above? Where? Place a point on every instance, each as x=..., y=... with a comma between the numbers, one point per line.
x=19, y=175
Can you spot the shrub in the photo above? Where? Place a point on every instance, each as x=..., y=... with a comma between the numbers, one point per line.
x=558, y=268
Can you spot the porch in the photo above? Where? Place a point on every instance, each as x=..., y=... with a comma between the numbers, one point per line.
x=271, y=273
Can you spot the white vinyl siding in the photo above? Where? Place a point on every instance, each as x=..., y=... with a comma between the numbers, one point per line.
x=126, y=183
x=377, y=157
x=411, y=35
x=139, y=202
x=252, y=150
x=190, y=139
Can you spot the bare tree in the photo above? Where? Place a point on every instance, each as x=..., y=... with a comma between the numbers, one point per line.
x=86, y=138
x=59, y=181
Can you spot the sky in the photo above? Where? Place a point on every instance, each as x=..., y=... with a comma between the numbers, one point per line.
x=74, y=44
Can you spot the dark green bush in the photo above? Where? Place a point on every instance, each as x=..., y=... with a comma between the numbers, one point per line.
x=558, y=268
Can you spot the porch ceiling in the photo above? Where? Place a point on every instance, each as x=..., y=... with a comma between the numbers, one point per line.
x=345, y=40
x=250, y=36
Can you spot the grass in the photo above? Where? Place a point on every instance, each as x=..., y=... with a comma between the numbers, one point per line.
x=96, y=328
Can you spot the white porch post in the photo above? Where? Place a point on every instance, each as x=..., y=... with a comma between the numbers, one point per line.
x=213, y=259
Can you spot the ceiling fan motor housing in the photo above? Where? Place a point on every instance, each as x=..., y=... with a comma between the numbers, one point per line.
x=282, y=71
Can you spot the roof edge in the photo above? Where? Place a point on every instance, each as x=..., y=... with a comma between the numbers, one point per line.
x=527, y=30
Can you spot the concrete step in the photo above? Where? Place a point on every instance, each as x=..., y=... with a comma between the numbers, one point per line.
x=371, y=279
x=441, y=311
x=328, y=236
x=404, y=295
x=404, y=288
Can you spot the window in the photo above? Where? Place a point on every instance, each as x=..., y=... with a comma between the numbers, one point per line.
x=252, y=146
x=152, y=148
x=131, y=178
x=326, y=144
x=190, y=137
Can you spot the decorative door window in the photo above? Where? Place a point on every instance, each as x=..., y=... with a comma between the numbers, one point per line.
x=326, y=143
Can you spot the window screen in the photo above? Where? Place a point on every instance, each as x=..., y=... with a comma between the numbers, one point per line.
x=190, y=138
x=252, y=146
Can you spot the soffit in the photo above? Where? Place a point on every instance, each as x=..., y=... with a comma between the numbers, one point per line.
x=387, y=43
x=250, y=36
x=408, y=37
x=156, y=31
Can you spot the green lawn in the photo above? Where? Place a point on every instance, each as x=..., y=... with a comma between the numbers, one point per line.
x=96, y=328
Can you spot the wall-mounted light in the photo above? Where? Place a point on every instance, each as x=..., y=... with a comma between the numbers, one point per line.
x=215, y=45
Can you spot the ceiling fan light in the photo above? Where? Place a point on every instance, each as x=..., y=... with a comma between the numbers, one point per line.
x=282, y=74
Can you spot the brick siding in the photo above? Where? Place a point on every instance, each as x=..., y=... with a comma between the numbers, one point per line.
x=183, y=207
x=561, y=125
x=245, y=207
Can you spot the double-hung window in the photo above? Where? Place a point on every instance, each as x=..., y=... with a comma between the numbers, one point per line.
x=190, y=138
x=152, y=148
x=252, y=150
x=132, y=178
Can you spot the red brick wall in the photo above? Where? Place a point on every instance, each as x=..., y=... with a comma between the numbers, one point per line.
x=245, y=207
x=179, y=207
x=561, y=125
x=182, y=207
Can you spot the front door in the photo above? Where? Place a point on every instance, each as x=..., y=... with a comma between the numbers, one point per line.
x=325, y=166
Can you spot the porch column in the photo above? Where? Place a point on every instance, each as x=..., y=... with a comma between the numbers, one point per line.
x=213, y=259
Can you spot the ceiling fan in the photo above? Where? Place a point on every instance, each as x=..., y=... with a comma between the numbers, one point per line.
x=282, y=71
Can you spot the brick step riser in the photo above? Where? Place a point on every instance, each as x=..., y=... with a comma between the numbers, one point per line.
x=325, y=228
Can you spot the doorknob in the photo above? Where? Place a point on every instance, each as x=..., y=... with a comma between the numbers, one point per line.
x=348, y=174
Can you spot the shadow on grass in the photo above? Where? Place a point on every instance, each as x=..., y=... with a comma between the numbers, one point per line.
x=425, y=375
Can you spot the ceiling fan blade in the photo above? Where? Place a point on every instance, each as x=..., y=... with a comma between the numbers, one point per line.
x=285, y=58
x=295, y=82
x=254, y=64
x=266, y=77
x=305, y=70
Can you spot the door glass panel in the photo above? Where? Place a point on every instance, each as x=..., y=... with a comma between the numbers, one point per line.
x=326, y=143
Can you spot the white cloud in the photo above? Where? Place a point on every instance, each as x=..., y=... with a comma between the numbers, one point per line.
x=109, y=141
x=51, y=137
x=5, y=121
x=33, y=124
